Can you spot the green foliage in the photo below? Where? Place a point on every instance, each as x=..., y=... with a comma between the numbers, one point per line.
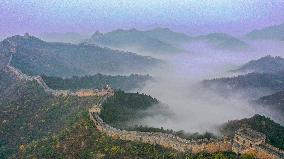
x=220, y=155
x=97, y=81
x=272, y=130
x=124, y=107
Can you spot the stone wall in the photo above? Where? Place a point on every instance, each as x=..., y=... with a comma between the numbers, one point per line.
x=166, y=140
x=240, y=144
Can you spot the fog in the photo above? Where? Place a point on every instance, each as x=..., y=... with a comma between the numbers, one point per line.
x=196, y=108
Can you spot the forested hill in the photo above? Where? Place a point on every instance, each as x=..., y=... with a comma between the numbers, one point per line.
x=123, y=108
x=34, y=56
x=97, y=81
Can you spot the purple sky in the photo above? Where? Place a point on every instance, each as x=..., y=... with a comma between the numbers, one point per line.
x=87, y=16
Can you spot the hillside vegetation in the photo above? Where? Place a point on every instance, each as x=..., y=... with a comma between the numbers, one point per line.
x=97, y=81
x=28, y=113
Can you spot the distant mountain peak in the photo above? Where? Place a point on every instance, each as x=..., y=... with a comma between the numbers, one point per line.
x=269, y=57
x=162, y=29
x=97, y=35
x=25, y=37
x=25, y=40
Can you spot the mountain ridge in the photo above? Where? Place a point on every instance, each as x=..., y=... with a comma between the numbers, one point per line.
x=35, y=56
x=274, y=32
x=135, y=40
x=223, y=41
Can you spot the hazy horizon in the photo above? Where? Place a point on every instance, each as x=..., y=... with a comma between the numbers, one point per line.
x=191, y=17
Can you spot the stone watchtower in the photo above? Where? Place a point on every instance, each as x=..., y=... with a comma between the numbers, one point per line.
x=246, y=139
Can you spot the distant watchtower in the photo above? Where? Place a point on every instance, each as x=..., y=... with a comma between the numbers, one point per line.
x=27, y=35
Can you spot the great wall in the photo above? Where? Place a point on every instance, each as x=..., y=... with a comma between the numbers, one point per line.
x=245, y=140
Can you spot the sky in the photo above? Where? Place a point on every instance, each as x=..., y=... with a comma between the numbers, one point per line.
x=87, y=16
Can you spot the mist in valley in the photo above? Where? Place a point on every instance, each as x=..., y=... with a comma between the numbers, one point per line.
x=195, y=107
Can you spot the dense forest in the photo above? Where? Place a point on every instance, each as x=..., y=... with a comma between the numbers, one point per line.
x=97, y=81
x=121, y=108
x=272, y=130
